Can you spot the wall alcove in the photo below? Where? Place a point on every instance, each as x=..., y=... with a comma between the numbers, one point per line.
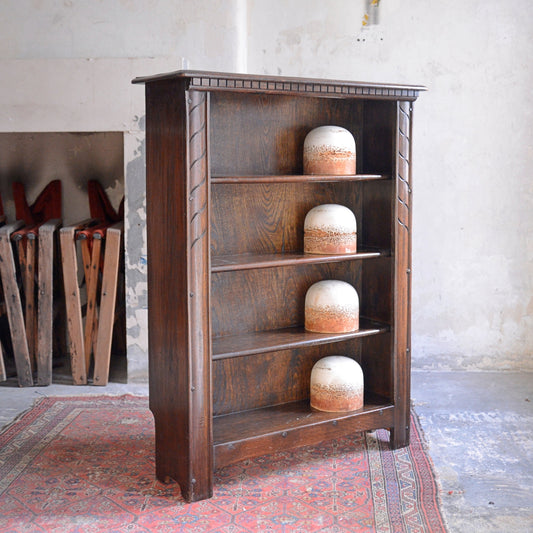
x=34, y=159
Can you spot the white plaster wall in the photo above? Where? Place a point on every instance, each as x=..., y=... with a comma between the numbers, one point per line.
x=67, y=66
x=473, y=214
x=204, y=31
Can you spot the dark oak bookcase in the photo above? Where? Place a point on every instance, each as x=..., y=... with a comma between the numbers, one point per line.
x=229, y=359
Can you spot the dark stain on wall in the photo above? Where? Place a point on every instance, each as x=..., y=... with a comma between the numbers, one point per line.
x=35, y=159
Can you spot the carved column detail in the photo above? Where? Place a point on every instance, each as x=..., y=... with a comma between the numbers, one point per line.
x=197, y=166
x=404, y=146
x=198, y=282
x=315, y=87
x=402, y=329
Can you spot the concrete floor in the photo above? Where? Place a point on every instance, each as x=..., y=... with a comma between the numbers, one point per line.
x=479, y=429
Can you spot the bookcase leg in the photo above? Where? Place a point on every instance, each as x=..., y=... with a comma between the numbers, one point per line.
x=399, y=436
x=188, y=467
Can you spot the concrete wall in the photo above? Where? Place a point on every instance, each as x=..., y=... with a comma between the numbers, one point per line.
x=474, y=292
x=67, y=66
x=473, y=218
x=473, y=215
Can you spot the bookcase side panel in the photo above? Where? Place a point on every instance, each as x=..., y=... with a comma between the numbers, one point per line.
x=402, y=282
x=167, y=320
x=180, y=417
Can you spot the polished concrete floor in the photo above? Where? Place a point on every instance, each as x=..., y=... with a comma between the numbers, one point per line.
x=479, y=430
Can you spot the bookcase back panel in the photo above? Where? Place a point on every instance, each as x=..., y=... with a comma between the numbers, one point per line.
x=274, y=378
x=269, y=218
x=270, y=298
x=264, y=134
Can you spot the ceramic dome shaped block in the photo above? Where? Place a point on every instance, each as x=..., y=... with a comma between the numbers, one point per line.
x=337, y=384
x=331, y=306
x=329, y=150
x=330, y=229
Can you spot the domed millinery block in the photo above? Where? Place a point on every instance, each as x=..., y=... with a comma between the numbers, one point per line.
x=329, y=150
x=331, y=306
x=337, y=384
x=330, y=229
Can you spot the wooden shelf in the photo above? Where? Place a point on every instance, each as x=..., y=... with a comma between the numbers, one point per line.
x=287, y=338
x=249, y=261
x=297, y=178
x=245, y=434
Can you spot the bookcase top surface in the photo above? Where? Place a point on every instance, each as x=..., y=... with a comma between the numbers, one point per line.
x=220, y=81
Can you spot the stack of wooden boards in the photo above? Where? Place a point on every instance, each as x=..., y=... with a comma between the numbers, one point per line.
x=52, y=303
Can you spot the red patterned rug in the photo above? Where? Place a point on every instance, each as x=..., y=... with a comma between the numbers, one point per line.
x=86, y=464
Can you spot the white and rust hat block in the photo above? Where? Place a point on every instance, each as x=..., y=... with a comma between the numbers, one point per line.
x=331, y=306
x=329, y=150
x=330, y=229
x=337, y=384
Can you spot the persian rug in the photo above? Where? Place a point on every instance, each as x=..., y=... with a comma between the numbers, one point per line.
x=86, y=464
